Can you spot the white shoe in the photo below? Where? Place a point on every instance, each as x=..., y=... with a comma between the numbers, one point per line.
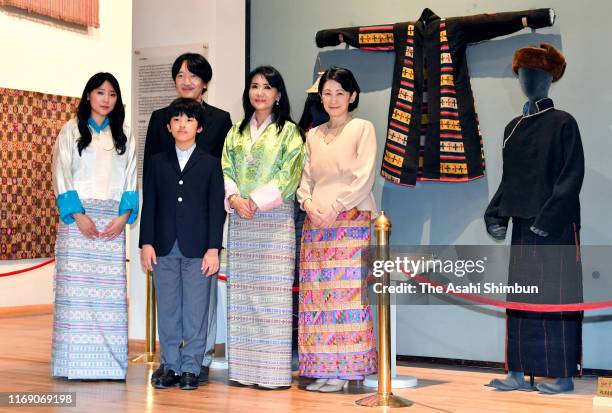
x=334, y=385
x=316, y=385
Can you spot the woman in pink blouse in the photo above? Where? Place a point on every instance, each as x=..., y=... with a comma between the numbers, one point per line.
x=336, y=339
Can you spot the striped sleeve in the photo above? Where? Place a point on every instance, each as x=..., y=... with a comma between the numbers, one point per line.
x=366, y=37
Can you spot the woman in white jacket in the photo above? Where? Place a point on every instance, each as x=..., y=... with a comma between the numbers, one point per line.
x=94, y=179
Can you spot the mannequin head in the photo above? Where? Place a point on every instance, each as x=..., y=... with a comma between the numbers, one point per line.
x=537, y=67
x=535, y=83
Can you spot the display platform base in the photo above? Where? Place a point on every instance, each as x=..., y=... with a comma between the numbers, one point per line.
x=397, y=382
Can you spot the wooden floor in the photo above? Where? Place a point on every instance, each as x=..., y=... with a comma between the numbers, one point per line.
x=24, y=366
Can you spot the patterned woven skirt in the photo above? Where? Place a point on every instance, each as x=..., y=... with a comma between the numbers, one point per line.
x=261, y=258
x=336, y=337
x=90, y=329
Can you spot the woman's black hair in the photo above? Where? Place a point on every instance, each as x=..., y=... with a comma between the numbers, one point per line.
x=116, y=117
x=281, y=113
x=196, y=63
x=347, y=81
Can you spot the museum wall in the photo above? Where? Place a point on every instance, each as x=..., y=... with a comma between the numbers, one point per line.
x=44, y=55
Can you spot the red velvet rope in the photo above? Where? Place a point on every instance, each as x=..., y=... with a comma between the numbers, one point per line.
x=42, y=264
x=511, y=305
x=32, y=268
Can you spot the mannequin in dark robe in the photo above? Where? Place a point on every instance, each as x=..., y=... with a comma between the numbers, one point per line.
x=542, y=177
x=535, y=84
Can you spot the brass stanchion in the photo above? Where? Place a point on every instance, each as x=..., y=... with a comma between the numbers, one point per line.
x=384, y=397
x=151, y=327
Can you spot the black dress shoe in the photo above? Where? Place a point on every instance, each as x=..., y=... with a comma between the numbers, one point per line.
x=156, y=375
x=203, y=378
x=167, y=380
x=189, y=381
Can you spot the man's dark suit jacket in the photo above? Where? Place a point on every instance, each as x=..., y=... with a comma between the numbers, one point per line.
x=217, y=123
x=187, y=205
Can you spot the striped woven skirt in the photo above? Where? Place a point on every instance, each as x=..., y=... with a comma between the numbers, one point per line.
x=336, y=337
x=261, y=259
x=90, y=328
x=545, y=344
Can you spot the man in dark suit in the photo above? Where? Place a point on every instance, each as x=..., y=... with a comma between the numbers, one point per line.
x=192, y=73
x=181, y=231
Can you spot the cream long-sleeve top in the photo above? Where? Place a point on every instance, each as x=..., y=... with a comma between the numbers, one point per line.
x=100, y=172
x=340, y=167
